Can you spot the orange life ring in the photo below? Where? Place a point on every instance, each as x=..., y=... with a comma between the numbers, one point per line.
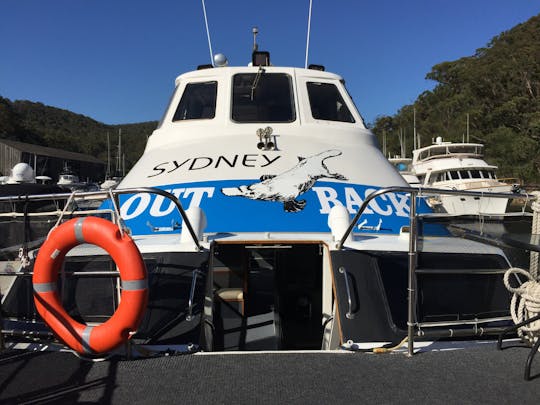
x=134, y=296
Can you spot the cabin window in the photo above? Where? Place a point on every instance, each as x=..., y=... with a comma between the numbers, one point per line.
x=475, y=174
x=198, y=102
x=454, y=174
x=327, y=104
x=262, y=97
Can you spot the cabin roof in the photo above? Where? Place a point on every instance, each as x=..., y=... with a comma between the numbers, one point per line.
x=224, y=72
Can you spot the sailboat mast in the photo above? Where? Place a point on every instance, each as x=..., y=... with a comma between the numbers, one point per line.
x=414, y=129
x=108, y=174
x=119, y=153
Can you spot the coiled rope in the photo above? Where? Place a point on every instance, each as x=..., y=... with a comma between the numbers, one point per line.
x=534, y=259
x=525, y=303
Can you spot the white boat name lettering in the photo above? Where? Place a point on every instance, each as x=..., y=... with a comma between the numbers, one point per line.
x=139, y=203
x=384, y=205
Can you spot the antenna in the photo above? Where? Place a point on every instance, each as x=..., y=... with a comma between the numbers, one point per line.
x=255, y=31
x=308, y=32
x=208, y=34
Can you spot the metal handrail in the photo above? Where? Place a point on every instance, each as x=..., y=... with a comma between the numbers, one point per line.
x=171, y=197
x=419, y=192
x=189, y=315
x=343, y=271
x=415, y=192
x=106, y=193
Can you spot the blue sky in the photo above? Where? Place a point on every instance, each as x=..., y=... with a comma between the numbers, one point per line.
x=115, y=60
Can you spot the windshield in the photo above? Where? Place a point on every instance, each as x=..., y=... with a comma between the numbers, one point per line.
x=262, y=97
x=327, y=104
x=198, y=102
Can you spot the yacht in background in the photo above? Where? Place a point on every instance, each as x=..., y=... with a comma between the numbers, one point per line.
x=461, y=166
x=112, y=181
x=404, y=166
x=69, y=180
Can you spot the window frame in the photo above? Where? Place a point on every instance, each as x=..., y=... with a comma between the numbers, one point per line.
x=341, y=99
x=291, y=87
x=184, y=92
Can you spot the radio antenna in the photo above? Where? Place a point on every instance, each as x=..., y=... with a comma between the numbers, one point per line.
x=308, y=31
x=208, y=34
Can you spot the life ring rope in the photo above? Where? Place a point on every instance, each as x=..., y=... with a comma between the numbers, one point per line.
x=118, y=328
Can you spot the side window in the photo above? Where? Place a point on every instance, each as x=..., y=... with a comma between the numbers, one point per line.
x=262, y=97
x=198, y=102
x=327, y=104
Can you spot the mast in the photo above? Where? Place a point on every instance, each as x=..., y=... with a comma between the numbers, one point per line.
x=414, y=129
x=108, y=173
x=119, y=153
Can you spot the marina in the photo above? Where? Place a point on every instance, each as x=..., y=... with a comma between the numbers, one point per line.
x=264, y=249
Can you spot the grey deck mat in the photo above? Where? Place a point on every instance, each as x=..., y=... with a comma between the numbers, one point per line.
x=478, y=375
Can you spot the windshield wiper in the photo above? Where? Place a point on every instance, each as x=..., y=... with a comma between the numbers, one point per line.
x=256, y=81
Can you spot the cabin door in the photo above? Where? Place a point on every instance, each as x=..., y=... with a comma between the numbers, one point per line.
x=267, y=297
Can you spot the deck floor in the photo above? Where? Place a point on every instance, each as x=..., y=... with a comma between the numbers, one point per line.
x=476, y=375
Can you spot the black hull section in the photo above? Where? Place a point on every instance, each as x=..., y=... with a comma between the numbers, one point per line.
x=174, y=315
x=371, y=289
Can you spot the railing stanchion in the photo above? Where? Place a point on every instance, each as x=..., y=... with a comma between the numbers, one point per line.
x=413, y=235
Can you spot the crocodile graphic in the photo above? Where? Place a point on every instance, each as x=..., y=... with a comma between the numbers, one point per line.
x=287, y=186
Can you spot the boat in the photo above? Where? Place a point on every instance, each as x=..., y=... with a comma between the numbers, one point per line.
x=112, y=180
x=461, y=166
x=68, y=180
x=404, y=166
x=262, y=217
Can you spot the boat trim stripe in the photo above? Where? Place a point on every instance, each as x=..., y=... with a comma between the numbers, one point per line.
x=85, y=339
x=78, y=230
x=55, y=254
x=45, y=287
x=133, y=285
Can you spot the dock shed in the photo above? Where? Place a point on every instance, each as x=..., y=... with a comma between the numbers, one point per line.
x=49, y=161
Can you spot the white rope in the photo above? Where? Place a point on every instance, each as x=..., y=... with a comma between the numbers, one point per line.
x=534, y=257
x=525, y=302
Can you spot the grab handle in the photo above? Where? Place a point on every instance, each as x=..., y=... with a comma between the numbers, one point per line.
x=189, y=315
x=349, y=314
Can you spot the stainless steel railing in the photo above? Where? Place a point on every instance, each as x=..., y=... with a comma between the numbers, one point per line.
x=81, y=196
x=114, y=194
x=414, y=193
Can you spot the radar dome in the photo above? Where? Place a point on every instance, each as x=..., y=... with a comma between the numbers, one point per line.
x=22, y=173
x=220, y=60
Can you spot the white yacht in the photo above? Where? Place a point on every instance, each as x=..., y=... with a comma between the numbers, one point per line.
x=404, y=166
x=461, y=166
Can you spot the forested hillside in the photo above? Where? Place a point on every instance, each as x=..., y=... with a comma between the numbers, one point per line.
x=39, y=124
x=498, y=87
